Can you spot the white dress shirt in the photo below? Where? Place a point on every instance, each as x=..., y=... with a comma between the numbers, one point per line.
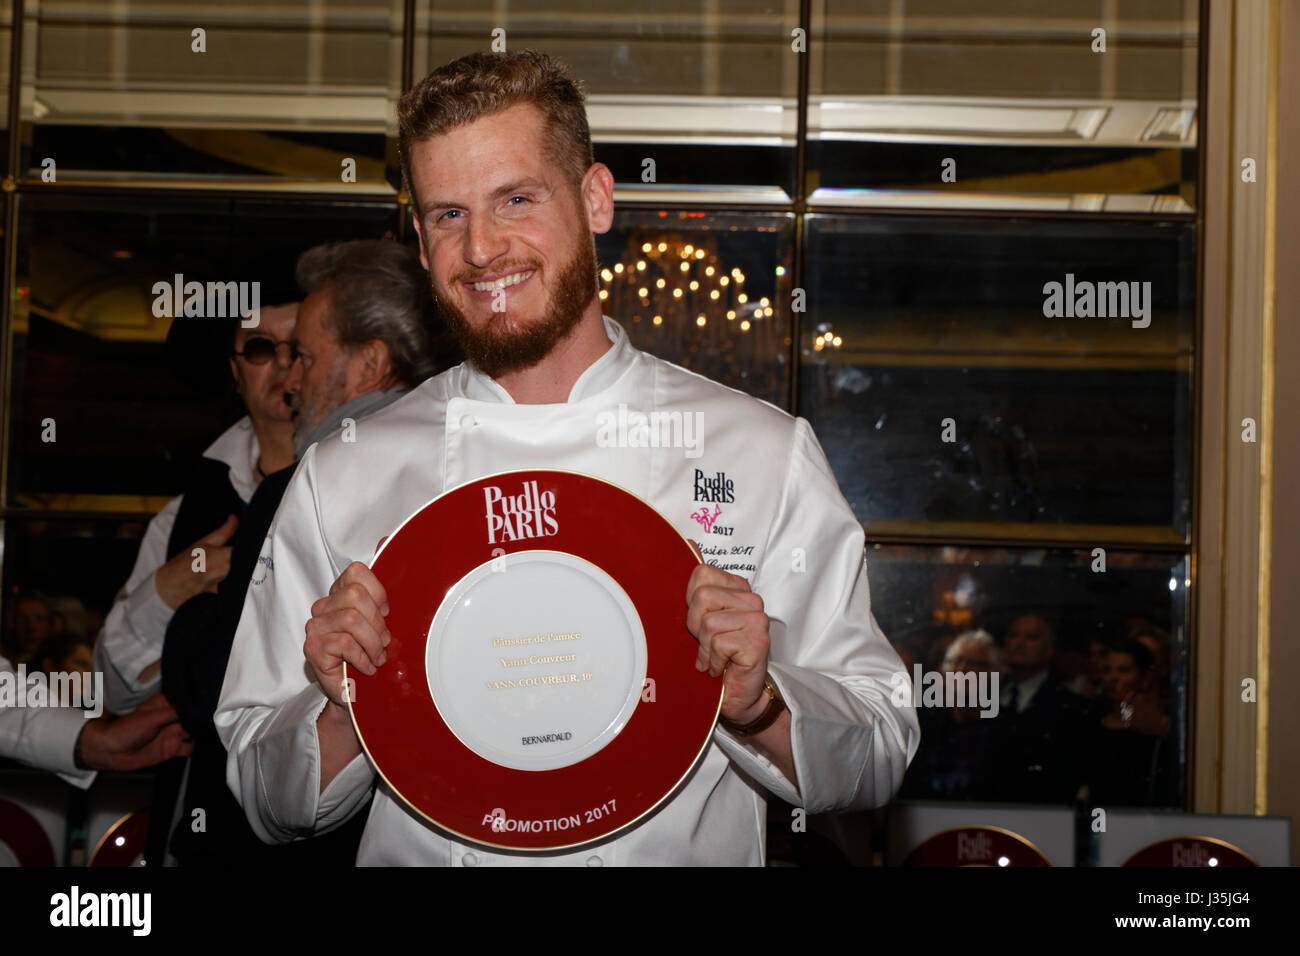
x=133, y=632
x=43, y=737
x=851, y=744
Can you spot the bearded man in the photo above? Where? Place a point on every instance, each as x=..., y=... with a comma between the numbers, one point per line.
x=497, y=158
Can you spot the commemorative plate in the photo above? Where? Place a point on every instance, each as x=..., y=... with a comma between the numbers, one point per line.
x=540, y=690
x=1191, y=851
x=22, y=839
x=124, y=842
x=976, y=846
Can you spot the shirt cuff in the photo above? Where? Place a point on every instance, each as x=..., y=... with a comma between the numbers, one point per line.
x=754, y=763
x=290, y=744
x=50, y=741
x=82, y=779
x=340, y=799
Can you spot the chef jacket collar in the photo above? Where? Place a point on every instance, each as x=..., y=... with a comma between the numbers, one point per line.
x=599, y=375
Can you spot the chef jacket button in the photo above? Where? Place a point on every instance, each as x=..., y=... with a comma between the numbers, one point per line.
x=595, y=861
x=469, y=859
x=467, y=421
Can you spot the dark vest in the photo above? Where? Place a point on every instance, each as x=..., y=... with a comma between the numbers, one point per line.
x=208, y=501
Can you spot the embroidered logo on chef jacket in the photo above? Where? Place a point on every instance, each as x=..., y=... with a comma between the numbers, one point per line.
x=707, y=518
x=717, y=487
x=265, y=565
x=716, y=490
x=529, y=514
x=712, y=492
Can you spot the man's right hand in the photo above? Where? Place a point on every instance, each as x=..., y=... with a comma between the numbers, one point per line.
x=148, y=736
x=177, y=581
x=348, y=625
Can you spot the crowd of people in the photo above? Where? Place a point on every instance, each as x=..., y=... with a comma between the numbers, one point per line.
x=1095, y=727
x=364, y=333
x=49, y=633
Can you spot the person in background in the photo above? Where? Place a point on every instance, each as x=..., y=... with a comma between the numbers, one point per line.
x=65, y=741
x=1040, y=721
x=366, y=334
x=1156, y=640
x=202, y=519
x=33, y=623
x=959, y=755
x=130, y=643
x=67, y=653
x=70, y=616
x=1091, y=681
x=1131, y=760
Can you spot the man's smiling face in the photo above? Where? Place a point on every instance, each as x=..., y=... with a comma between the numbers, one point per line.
x=500, y=225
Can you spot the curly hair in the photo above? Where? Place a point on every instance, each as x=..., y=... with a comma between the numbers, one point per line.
x=481, y=84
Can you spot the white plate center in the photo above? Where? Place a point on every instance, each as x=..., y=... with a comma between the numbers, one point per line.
x=536, y=660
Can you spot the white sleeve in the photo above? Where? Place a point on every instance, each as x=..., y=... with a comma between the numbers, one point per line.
x=132, y=636
x=43, y=737
x=267, y=713
x=852, y=732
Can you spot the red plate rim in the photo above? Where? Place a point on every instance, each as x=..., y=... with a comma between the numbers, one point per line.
x=30, y=843
x=1007, y=840
x=1156, y=850
x=134, y=827
x=697, y=704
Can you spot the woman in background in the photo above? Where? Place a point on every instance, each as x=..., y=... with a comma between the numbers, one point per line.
x=1129, y=750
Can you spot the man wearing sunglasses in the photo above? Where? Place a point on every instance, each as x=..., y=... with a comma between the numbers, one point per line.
x=365, y=335
x=167, y=569
x=186, y=547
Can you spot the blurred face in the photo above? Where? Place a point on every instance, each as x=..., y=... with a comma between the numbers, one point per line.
x=32, y=625
x=966, y=656
x=506, y=240
x=262, y=386
x=1123, y=677
x=81, y=658
x=319, y=381
x=1027, y=645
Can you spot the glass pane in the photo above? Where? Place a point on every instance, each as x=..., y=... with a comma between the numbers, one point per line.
x=88, y=353
x=948, y=392
x=707, y=291
x=1071, y=702
x=1005, y=103
x=704, y=87
x=263, y=93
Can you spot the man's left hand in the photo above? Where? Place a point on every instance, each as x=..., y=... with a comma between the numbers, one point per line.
x=727, y=618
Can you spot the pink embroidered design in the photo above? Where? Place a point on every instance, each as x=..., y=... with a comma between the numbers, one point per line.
x=706, y=519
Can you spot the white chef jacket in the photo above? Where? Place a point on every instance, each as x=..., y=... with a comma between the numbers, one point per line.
x=43, y=737
x=132, y=636
x=851, y=743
